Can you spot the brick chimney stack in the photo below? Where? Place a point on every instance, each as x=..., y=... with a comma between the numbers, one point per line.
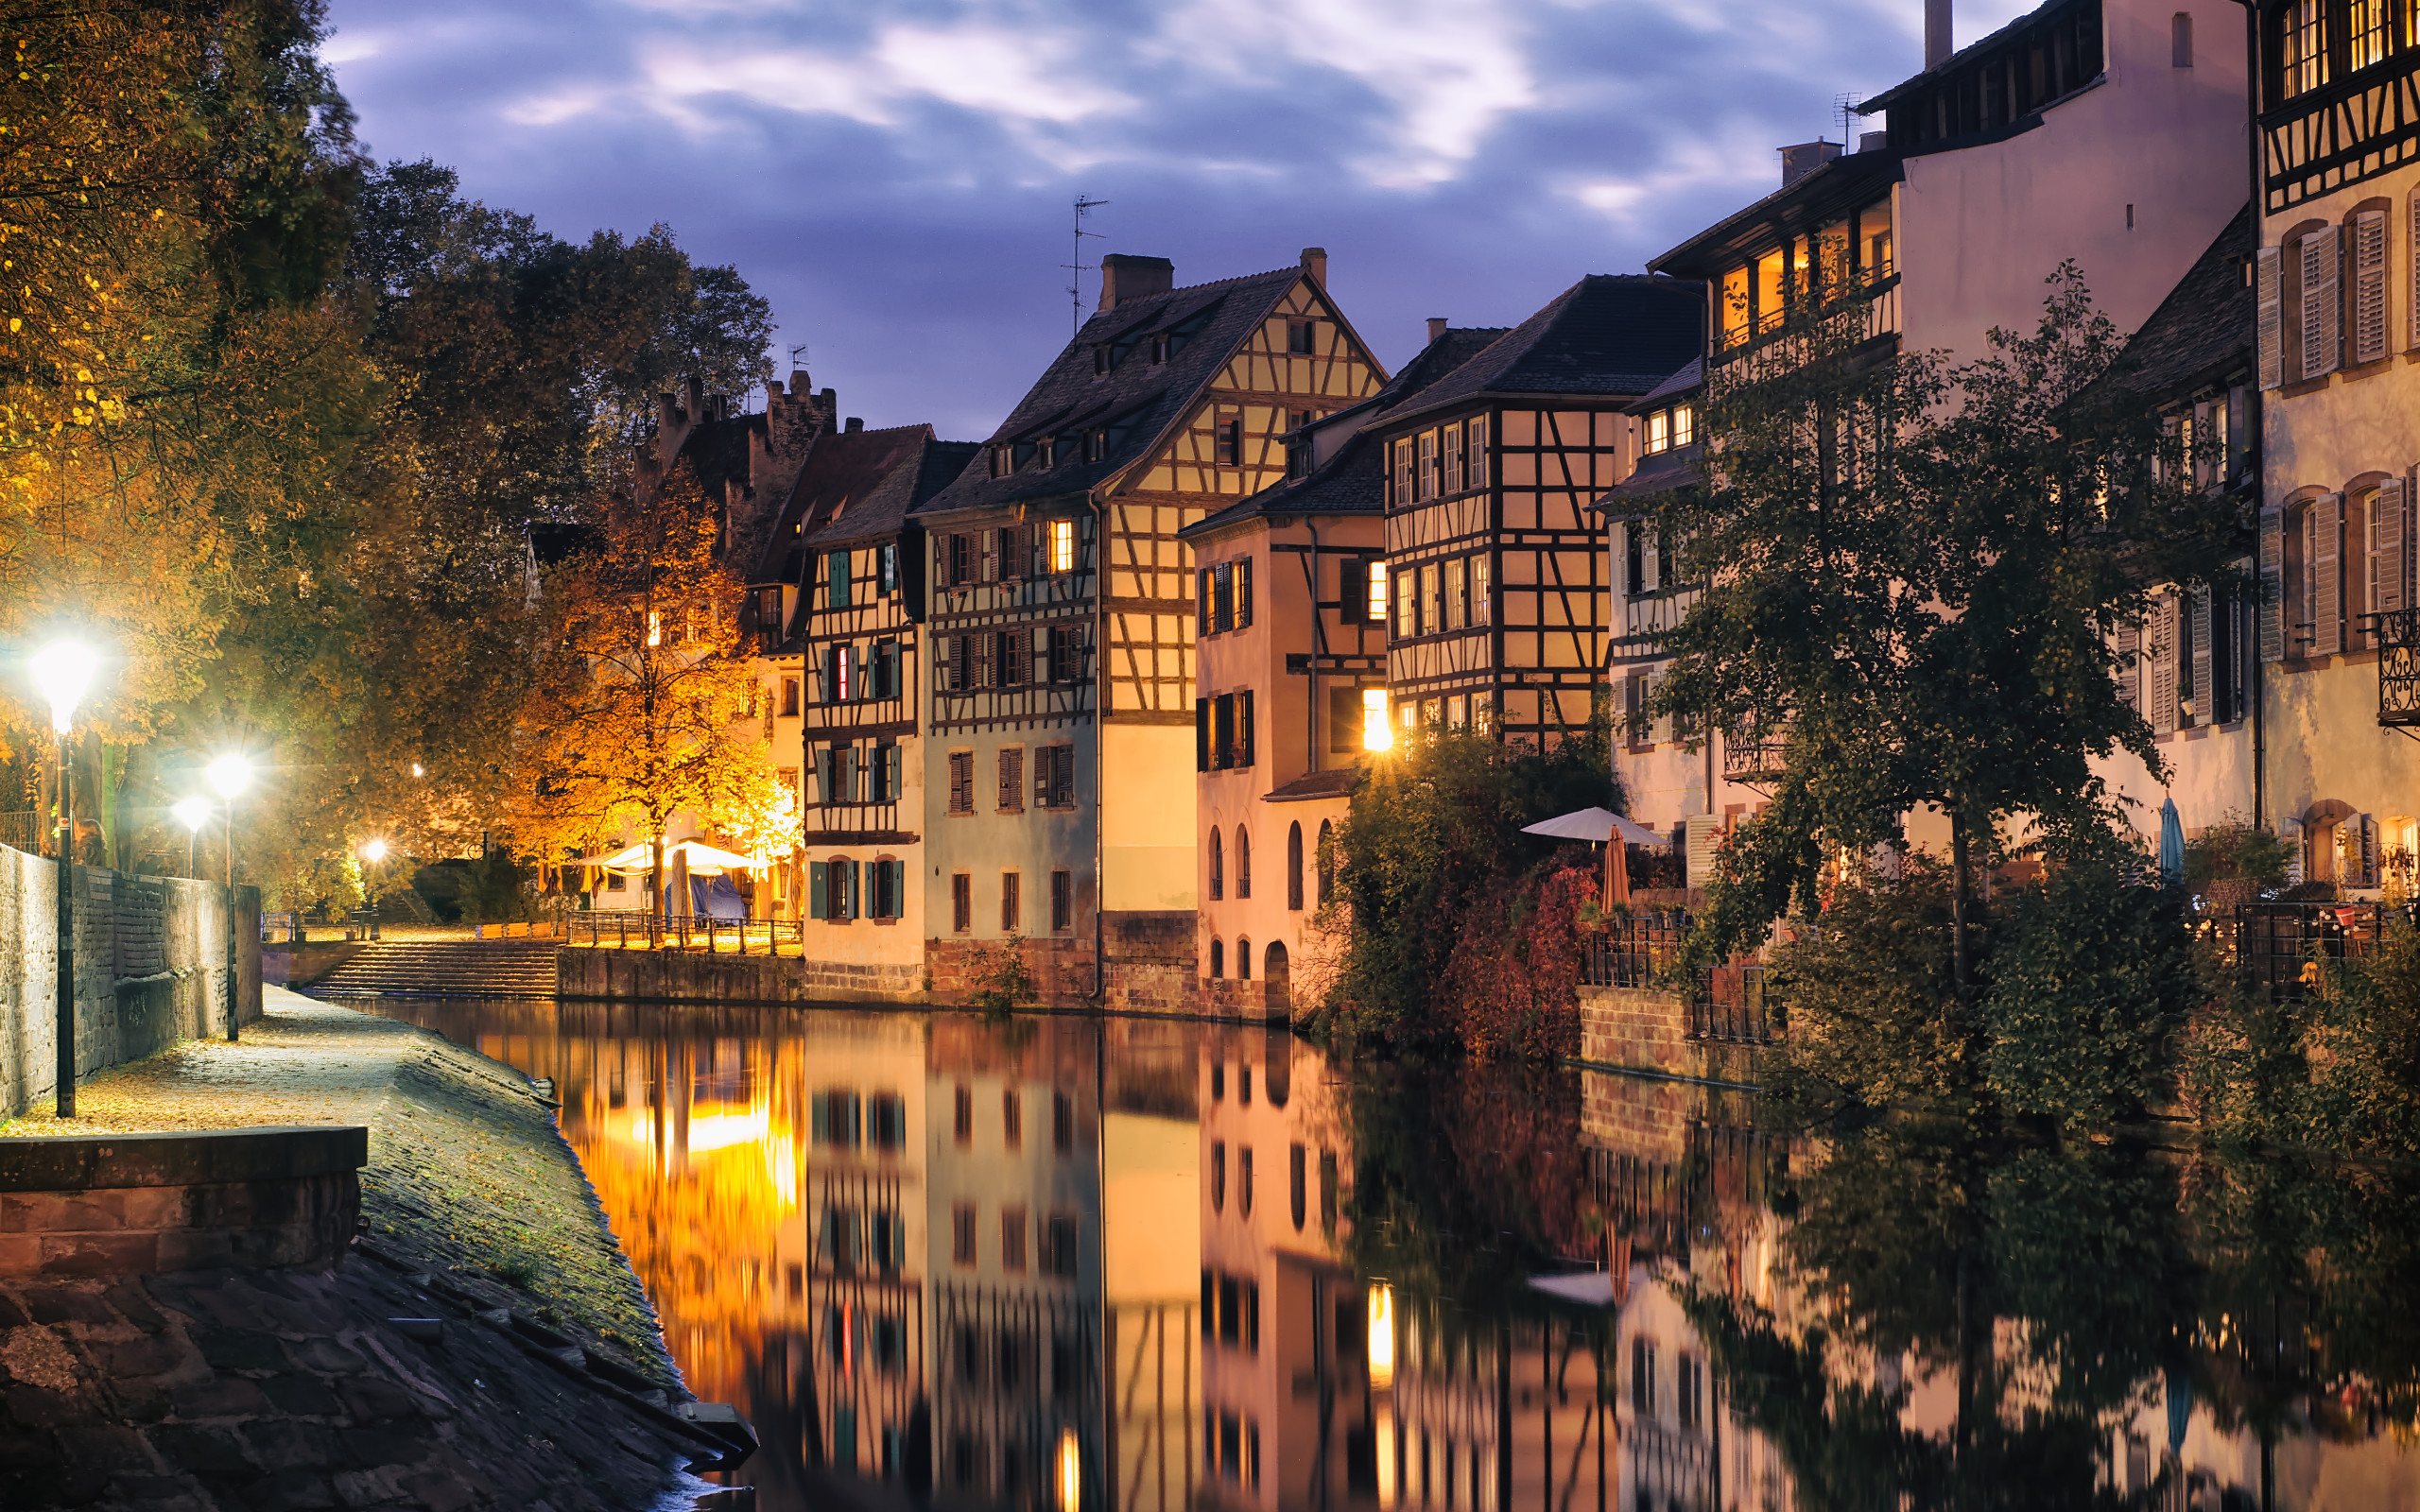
x=1315, y=264
x=1937, y=44
x=1125, y=278
x=1436, y=327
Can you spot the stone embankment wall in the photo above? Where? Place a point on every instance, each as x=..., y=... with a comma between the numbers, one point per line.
x=1642, y=1030
x=694, y=976
x=150, y=969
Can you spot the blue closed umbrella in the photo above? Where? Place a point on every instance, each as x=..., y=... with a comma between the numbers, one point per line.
x=2172, y=845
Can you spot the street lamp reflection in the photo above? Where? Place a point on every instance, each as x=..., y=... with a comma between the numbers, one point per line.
x=1071, y=1471
x=1382, y=1337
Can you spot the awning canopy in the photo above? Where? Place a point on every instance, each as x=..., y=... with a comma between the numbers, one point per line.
x=1598, y=825
x=703, y=860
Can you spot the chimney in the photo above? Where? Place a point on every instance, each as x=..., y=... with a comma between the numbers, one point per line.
x=1436, y=326
x=855, y=425
x=1799, y=161
x=773, y=392
x=1937, y=47
x=799, y=384
x=1125, y=278
x=1315, y=264
x=1873, y=141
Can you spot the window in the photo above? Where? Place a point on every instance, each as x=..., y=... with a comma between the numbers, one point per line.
x=885, y=567
x=1011, y=903
x=885, y=1121
x=1683, y=424
x=1243, y=1182
x=1642, y=1378
x=1425, y=481
x=1012, y=1239
x=1399, y=476
x=1000, y=461
x=1343, y=720
x=1375, y=602
x=1243, y=874
x=961, y=1234
x=1432, y=599
x=1227, y=440
x=1326, y=858
x=1159, y=349
x=1659, y=430
x=961, y=902
x=1299, y=338
x=1294, y=866
x=883, y=773
x=1453, y=443
x=1012, y=790
x=1047, y=450
x=1096, y=445
x=1062, y=902
x=962, y=1116
x=2302, y=47
x=835, y=580
x=1217, y=957
x=1062, y=535
x=1483, y=602
x=1054, y=777
x=1405, y=609
x=1061, y=1257
x=1875, y=255
x=1243, y=958
x=1690, y=1398
x=1239, y=597
x=962, y=782
x=2368, y=270
x=1013, y=1118
x=1296, y=1195
x=1067, y=653
x=961, y=552
x=1218, y=873
x=1063, y=1123
x=1218, y=1204
x=789, y=698
x=2180, y=41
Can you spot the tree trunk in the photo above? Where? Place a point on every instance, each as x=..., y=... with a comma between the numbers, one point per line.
x=1958, y=902
x=654, y=880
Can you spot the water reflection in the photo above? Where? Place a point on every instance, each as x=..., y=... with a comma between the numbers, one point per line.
x=1067, y=1264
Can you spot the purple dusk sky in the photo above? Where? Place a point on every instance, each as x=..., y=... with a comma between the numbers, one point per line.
x=896, y=178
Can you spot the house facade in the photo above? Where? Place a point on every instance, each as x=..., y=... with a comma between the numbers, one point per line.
x=1995, y=166
x=2337, y=275
x=855, y=584
x=1059, y=812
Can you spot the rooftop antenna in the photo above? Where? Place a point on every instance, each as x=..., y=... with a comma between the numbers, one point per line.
x=1845, y=105
x=798, y=355
x=1080, y=267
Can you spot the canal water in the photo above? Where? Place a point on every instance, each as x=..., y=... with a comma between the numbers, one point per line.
x=1140, y=1266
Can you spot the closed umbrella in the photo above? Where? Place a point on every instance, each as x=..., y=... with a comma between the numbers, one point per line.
x=2172, y=845
x=676, y=886
x=1616, y=872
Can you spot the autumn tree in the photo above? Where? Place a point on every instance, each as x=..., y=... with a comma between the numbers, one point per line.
x=635, y=714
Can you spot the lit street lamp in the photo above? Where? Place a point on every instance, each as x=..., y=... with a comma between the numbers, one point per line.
x=193, y=813
x=374, y=853
x=63, y=669
x=231, y=774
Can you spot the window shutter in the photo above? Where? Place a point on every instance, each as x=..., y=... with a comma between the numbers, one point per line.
x=824, y=775
x=1222, y=597
x=2323, y=304
x=851, y=903
x=2268, y=280
x=2273, y=584
x=1204, y=627
x=1651, y=557
x=2201, y=666
x=2391, y=547
x=1012, y=795
x=1201, y=734
x=1222, y=732
x=2327, y=575
x=1243, y=592
x=819, y=898
x=1243, y=728
x=2414, y=290
x=896, y=761
x=2163, y=657
x=2369, y=287
x=2129, y=667
x=1663, y=734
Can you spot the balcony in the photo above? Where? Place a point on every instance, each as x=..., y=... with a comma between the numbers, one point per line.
x=2396, y=634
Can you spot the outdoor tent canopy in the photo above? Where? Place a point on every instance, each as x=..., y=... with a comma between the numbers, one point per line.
x=1598, y=825
x=702, y=859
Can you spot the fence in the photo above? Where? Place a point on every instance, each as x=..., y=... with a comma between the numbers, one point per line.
x=2274, y=942
x=1729, y=1006
x=682, y=932
x=1639, y=949
x=26, y=831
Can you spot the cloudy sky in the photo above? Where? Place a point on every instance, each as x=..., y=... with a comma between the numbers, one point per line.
x=897, y=177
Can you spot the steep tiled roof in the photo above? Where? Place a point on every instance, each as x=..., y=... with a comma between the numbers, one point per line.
x=2201, y=332
x=1678, y=468
x=1682, y=382
x=1335, y=781
x=1136, y=401
x=1349, y=481
x=1608, y=334
x=842, y=485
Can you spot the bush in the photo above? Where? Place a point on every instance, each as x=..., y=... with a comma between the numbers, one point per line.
x=2091, y=971
x=1869, y=997
x=1511, y=983
x=2232, y=848
x=1003, y=983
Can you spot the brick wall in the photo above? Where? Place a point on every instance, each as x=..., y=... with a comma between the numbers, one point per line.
x=695, y=976
x=1638, y=1028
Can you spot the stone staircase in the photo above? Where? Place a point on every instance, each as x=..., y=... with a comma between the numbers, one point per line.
x=444, y=968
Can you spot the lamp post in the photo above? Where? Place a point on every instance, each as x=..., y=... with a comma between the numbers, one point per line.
x=193, y=813
x=63, y=669
x=231, y=774
x=374, y=853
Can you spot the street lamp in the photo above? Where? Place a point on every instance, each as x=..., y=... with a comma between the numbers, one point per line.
x=231, y=774
x=63, y=669
x=1375, y=732
x=193, y=813
x=374, y=853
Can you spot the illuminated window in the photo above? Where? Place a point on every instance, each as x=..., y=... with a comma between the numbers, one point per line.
x=1874, y=255
x=1062, y=545
x=1426, y=483
x=1683, y=424
x=654, y=628
x=1375, y=733
x=1770, y=273
x=2302, y=47
x=2365, y=32
x=1735, y=311
x=1378, y=592
x=1659, y=430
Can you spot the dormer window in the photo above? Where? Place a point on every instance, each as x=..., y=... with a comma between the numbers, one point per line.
x=1100, y=361
x=1159, y=349
x=1668, y=428
x=1002, y=462
x=1096, y=445
x=1048, y=450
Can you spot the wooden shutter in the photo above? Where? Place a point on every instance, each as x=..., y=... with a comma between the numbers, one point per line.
x=2163, y=659
x=2326, y=560
x=2322, y=305
x=819, y=899
x=1201, y=739
x=1243, y=591
x=2391, y=547
x=2201, y=667
x=1203, y=627
x=2129, y=667
x=1243, y=728
x=2369, y=287
x=2268, y=279
x=2272, y=568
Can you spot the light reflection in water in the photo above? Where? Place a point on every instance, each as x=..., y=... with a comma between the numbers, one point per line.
x=1148, y=1267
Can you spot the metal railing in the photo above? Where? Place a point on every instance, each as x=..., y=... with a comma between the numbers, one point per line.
x=1638, y=949
x=1729, y=1006
x=2276, y=942
x=26, y=831
x=617, y=929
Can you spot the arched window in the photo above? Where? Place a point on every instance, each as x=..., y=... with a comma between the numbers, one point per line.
x=1217, y=959
x=1243, y=863
x=1217, y=869
x=1326, y=858
x=1294, y=865
x=1276, y=972
x=1243, y=959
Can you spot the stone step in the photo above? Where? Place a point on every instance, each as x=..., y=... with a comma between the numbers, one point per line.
x=444, y=968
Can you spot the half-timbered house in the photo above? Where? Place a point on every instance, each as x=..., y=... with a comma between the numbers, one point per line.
x=1498, y=583
x=856, y=579
x=1291, y=625
x=1059, y=804
x=2337, y=289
